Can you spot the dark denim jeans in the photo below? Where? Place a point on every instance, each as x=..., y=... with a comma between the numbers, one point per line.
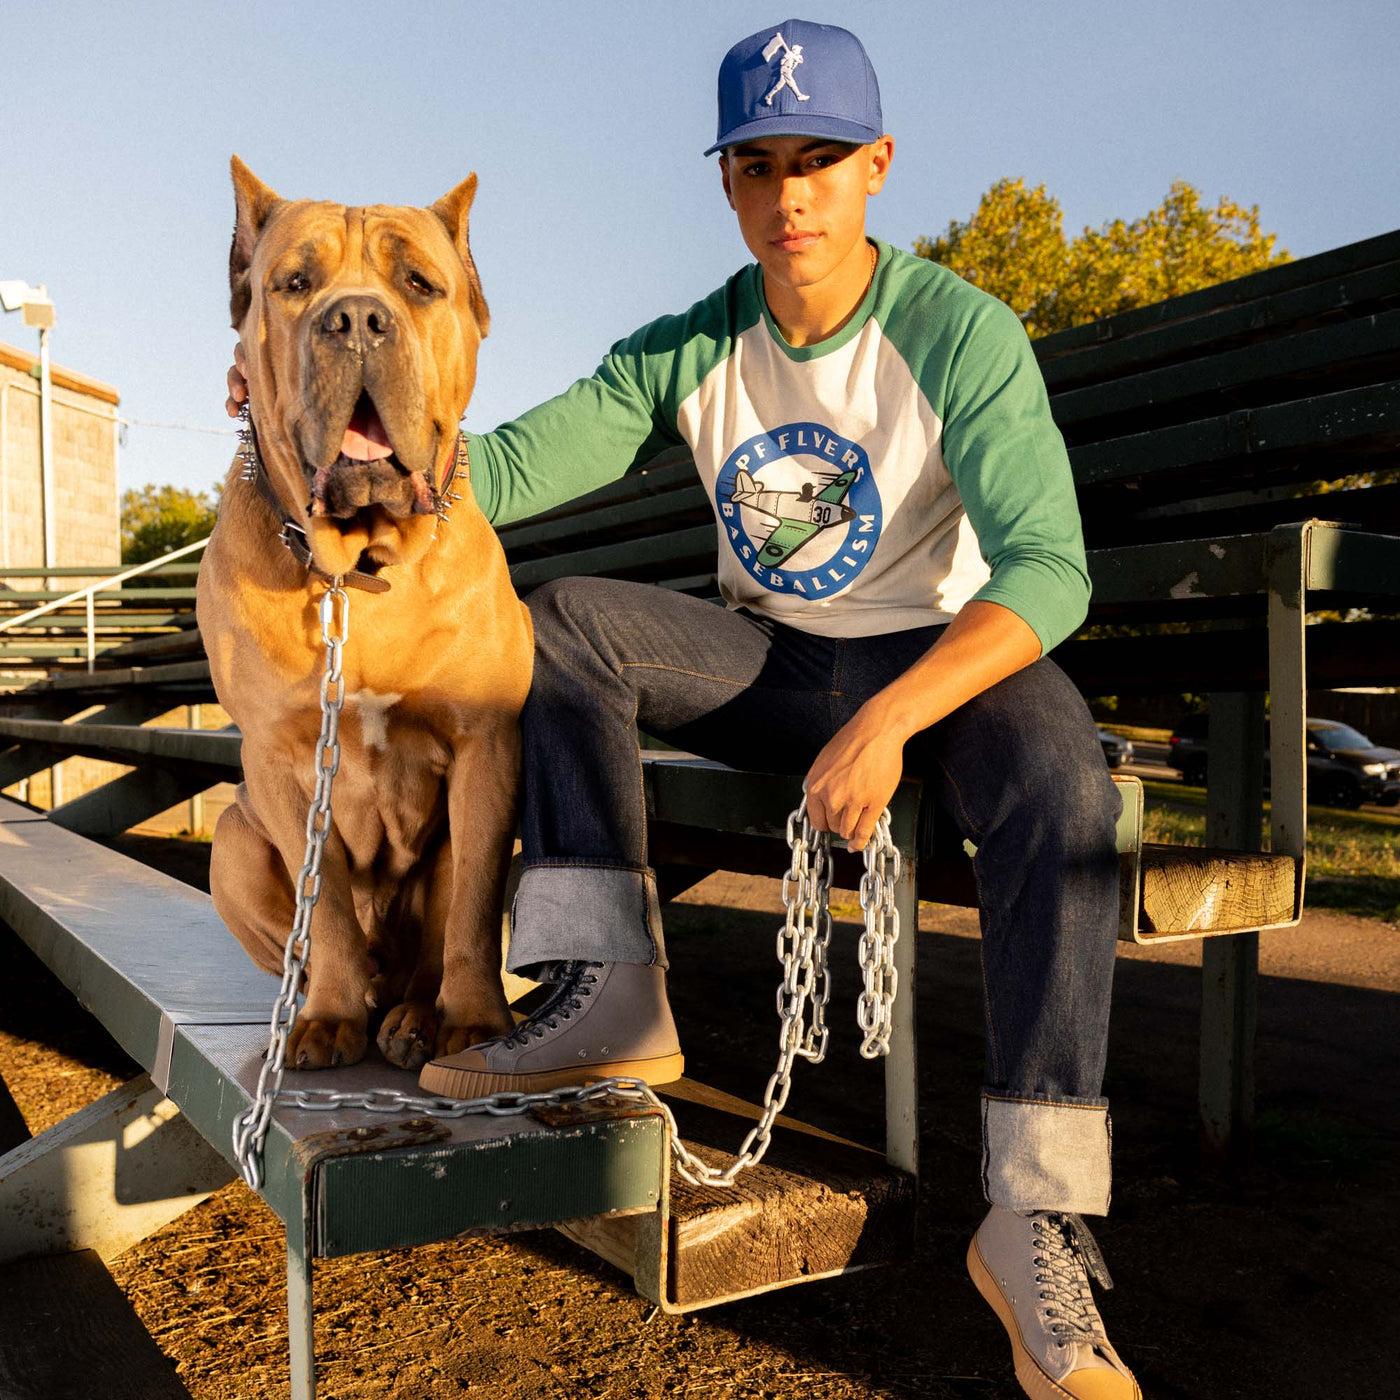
x=1018, y=770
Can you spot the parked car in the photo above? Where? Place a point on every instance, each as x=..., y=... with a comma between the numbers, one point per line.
x=1186, y=749
x=1345, y=768
x=1116, y=750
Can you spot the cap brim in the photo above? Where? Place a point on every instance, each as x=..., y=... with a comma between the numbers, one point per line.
x=797, y=124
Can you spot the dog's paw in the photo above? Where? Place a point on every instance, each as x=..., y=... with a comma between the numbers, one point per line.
x=325, y=1044
x=408, y=1034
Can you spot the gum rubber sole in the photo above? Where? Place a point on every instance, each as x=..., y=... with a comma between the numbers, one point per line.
x=453, y=1083
x=1031, y=1376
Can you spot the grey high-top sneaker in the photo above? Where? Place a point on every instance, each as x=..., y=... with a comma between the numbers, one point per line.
x=1034, y=1270
x=603, y=1019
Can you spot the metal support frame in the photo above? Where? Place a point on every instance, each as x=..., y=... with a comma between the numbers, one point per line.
x=300, y=1312
x=902, y=1063
x=124, y=802
x=106, y=1177
x=1230, y=964
x=1234, y=816
x=13, y=1129
x=1290, y=550
x=196, y=721
x=46, y=458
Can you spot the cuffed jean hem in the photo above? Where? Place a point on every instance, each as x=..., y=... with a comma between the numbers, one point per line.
x=1044, y=1154
x=594, y=913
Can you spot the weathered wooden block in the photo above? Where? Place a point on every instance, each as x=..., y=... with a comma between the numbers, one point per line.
x=816, y=1206
x=1199, y=890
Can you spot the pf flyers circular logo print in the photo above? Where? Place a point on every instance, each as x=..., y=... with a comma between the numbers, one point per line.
x=799, y=507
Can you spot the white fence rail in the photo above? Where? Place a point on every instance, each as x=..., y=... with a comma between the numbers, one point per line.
x=102, y=585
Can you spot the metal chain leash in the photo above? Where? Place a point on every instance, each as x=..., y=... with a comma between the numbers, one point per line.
x=803, y=944
x=802, y=997
x=250, y=1127
x=805, y=936
x=875, y=1010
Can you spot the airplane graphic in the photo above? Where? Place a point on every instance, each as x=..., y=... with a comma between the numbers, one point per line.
x=797, y=515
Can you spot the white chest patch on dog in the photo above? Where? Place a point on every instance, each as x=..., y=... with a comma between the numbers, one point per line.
x=373, y=711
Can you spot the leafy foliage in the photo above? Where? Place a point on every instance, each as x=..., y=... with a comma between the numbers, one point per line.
x=1014, y=246
x=157, y=519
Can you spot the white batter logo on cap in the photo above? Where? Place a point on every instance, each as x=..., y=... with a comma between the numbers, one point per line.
x=787, y=66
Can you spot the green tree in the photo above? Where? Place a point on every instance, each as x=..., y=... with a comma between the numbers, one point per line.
x=157, y=519
x=1014, y=246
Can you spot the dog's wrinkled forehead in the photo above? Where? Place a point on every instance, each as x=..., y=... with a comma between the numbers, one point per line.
x=284, y=246
x=307, y=246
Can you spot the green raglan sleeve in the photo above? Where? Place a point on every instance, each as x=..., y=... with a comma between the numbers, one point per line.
x=1008, y=462
x=596, y=431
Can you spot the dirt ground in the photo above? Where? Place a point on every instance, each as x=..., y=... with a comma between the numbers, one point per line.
x=1278, y=1282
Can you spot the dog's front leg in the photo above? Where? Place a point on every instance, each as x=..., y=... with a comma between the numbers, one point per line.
x=330, y=1028
x=481, y=816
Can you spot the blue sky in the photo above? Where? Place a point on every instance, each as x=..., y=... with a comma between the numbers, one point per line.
x=585, y=122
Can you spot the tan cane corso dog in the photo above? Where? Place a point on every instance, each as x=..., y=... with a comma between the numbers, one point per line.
x=360, y=328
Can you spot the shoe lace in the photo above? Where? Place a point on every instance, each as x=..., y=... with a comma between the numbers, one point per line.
x=576, y=983
x=1066, y=1255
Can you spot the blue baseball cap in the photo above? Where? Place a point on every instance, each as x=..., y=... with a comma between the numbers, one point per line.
x=798, y=79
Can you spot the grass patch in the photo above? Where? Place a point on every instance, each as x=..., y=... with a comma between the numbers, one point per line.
x=1370, y=896
x=1180, y=795
x=1353, y=857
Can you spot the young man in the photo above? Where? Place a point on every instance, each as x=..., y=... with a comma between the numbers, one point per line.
x=899, y=547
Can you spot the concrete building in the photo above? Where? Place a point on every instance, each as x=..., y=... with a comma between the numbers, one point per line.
x=87, y=521
x=85, y=447
x=87, y=524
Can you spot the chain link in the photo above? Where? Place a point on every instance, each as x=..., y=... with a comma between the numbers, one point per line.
x=802, y=946
x=875, y=1010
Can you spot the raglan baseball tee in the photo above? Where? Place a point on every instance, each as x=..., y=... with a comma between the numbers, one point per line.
x=873, y=482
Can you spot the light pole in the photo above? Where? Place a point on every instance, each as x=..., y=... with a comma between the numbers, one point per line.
x=38, y=311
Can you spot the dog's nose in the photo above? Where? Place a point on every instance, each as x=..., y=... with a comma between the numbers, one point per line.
x=358, y=323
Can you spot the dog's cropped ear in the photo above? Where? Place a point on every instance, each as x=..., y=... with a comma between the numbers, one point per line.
x=254, y=203
x=453, y=209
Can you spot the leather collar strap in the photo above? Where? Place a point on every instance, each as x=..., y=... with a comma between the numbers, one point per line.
x=294, y=537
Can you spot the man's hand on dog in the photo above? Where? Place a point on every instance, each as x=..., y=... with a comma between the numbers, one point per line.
x=237, y=382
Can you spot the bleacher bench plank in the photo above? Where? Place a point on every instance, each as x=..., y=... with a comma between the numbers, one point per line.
x=1251, y=322
x=1381, y=251
x=213, y=750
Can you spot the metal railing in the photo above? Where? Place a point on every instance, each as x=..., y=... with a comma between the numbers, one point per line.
x=101, y=586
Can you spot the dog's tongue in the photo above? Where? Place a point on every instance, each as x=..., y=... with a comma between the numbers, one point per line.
x=365, y=439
